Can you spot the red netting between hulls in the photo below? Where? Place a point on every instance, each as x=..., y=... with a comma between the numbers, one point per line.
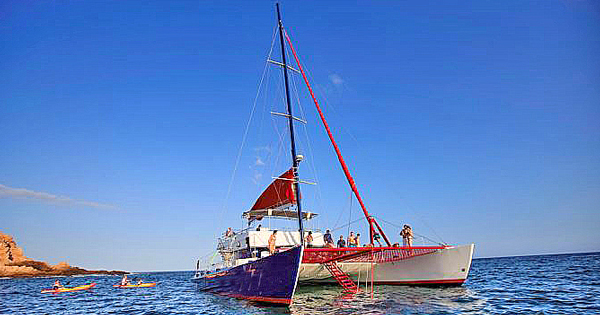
x=375, y=255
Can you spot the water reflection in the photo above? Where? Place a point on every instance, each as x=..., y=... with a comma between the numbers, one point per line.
x=386, y=300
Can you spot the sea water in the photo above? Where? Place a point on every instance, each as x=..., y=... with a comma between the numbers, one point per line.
x=546, y=284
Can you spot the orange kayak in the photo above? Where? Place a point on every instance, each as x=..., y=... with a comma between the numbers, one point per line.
x=79, y=288
x=132, y=286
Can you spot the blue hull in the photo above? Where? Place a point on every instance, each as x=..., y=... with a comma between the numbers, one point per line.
x=271, y=279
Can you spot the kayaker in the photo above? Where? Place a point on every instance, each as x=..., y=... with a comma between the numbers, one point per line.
x=57, y=285
x=124, y=280
x=140, y=281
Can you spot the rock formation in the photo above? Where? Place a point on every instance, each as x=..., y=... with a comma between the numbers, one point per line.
x=13, y=263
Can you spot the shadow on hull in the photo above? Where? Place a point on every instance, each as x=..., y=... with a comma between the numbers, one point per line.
x=269, y=280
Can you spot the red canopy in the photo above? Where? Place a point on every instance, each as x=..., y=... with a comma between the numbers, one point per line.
x=279, y=193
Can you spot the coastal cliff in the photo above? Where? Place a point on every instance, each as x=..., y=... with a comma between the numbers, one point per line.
x=14, y=263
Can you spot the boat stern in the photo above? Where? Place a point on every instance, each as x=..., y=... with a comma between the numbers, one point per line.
x=448, y=266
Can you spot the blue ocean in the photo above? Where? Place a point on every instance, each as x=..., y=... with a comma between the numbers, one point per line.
x=546, y=284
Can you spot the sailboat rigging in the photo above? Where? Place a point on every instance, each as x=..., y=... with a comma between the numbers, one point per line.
x=262, y=277
x=266, y=265
x=393, y=264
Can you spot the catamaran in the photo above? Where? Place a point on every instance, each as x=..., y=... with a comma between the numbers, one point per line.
x=250, y=270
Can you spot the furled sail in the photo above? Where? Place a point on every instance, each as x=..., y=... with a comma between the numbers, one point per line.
x=276, y=200
x=279, y=194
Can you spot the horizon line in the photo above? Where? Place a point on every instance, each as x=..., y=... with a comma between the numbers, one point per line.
x=528, y=255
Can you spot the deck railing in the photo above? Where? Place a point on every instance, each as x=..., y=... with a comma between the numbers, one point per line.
x=366, y=254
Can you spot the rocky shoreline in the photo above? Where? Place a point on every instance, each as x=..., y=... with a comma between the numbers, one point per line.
x=14, y=264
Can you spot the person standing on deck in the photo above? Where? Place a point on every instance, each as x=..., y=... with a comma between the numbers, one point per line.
x=357, y=240
x=272, y=240
x=407, y=235
x=376, y=238
x=328, y=239
x=341, y=242
x=403, y=234
x=351, y=240
x=309, y=239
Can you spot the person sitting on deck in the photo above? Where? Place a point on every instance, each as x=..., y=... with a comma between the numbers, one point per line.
x=351, y=240
x=309, y=239
x=229, y=232
x=272, y=240
x=57, y=285
x=328, y=239
x=341, y=242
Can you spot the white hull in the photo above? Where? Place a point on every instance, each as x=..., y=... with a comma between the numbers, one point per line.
x=445, y=266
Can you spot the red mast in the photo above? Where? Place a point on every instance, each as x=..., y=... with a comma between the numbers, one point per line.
x=370, y=219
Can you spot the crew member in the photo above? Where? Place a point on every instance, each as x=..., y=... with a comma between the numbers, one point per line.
x=272, y=240
x=407, y=235
x=341, y=242
x=309, y=239
x=328, y=239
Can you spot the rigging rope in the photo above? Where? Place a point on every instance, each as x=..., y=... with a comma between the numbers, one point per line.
x=350, y=180
x=423, y=236
x=349, y=215
x=318, y=195
x=237, y=160
x=343, y=226
x=372, y=223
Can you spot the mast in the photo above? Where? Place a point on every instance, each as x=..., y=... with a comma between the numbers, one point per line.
x=291, y=125
x=372, y=222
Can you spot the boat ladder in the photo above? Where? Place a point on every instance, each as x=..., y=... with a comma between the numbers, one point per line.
x=341, y=277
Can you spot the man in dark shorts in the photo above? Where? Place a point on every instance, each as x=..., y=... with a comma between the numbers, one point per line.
x=327, y=238
x=341, y=242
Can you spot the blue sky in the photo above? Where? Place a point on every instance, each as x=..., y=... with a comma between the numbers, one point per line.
x=475, y=122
